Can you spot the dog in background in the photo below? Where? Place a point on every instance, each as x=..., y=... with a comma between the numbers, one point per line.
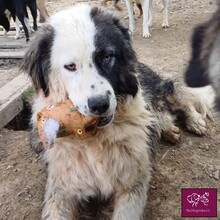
x=147, y=8
x=43, y=10
x=204, y=65
x=104, y=2
x=106, y=175
x=5, y=17
x=18, y=10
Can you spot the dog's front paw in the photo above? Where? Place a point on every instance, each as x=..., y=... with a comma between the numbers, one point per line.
x=146, y=34
x=16, y=37
x=165, y=25
x=172, y=134
x=196, y=124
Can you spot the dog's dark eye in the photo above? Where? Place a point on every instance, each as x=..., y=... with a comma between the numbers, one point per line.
x=70, y=67
x=106, y=58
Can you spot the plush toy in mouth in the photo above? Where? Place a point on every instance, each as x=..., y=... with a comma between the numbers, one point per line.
x=62, y=120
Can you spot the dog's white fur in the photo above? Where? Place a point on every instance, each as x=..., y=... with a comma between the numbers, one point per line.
x=99, y=164
x=147, y=7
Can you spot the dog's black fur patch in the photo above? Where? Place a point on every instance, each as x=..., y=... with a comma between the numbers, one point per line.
x=112, y=39
x=95, y=208
x=154, y=87
x=155, y=90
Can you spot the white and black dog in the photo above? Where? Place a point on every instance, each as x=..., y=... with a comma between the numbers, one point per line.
x=85, y=54
x=18, y=9
x=147, y=9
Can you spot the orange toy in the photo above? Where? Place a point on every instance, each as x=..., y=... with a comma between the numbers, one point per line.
x=62, y=120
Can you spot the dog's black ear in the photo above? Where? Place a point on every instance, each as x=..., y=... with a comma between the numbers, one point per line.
x=36, y=61
x=196, y=74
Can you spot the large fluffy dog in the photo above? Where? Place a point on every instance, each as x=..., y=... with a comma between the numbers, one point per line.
x=147, y=8
x=85, y=54
x=18, y=10
x=204, y=66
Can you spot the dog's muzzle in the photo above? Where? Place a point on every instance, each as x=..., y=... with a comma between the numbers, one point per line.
x=99, y=107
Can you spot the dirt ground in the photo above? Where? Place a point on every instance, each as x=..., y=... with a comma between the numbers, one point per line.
x=194, y=162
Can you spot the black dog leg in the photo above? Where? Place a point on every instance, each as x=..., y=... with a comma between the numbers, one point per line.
x=20, y=16
x=33, y=9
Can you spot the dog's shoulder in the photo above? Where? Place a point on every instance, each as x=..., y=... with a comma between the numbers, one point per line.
x=152, y=83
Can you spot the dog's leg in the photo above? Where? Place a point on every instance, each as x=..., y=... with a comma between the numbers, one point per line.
x=129, y=5
x=33, y=9
x=138, y=4
x=21, y=13
x=151, y=13
x=145, y=7
x=165, y=23
x=42, y=9
x=21, y=17
x=28, y=24
x=57, y=207
x=57, y=204
x=17, y=28
x=195, y=109
x=7, y=19
x=130, y=206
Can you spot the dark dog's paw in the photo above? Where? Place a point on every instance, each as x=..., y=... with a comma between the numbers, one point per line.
x=171, y=134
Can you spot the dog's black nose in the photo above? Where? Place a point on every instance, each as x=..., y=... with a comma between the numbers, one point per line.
x=98, y=105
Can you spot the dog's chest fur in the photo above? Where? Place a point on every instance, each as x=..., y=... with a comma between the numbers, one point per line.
x=81, y=167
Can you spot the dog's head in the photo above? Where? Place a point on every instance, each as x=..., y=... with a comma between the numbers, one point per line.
x=86, y=53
